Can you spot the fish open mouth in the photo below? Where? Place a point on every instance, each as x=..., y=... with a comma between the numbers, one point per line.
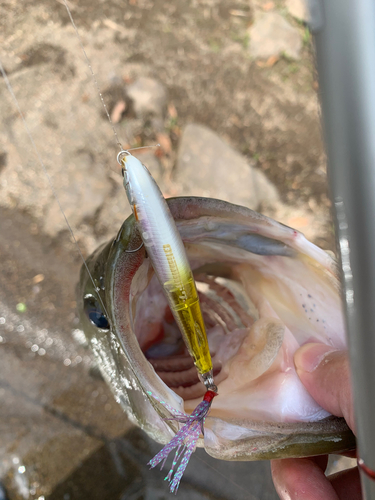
x=264, y=292
x=261, y=299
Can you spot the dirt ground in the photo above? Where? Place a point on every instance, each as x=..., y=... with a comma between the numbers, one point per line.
x=198, y=52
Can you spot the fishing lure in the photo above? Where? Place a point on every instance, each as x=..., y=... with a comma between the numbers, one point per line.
x=168, y=257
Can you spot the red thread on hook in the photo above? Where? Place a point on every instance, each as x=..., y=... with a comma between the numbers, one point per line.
x=209, y=396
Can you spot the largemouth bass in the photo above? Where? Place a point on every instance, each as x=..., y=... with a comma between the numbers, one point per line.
x=265, y=290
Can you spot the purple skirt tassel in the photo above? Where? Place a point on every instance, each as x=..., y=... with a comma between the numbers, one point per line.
x=184, y=441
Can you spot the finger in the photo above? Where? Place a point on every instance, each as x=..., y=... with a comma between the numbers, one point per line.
x=325, y=373
x=347, y=484
x=301, y=479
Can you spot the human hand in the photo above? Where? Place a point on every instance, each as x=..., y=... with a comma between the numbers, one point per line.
x=325, y=374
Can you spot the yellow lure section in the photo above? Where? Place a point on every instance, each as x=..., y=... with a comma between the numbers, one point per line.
x=184, y=303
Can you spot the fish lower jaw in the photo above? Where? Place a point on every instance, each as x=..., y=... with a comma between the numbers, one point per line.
x=289, y=296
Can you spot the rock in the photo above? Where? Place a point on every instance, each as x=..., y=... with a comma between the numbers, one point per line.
x=272, y=35
x=149, y=97
x=298, y=9
x=207, y=166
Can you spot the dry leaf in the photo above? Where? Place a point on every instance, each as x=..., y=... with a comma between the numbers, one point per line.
x=117, y=111
x=127, y=79
x=268, y=6
x=238, y=13
x=165, y=142
x=114, y=26
x=270, y=62
x=172, y=111
x=38, y=278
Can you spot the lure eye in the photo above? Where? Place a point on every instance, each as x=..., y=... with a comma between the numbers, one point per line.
x=95, y=314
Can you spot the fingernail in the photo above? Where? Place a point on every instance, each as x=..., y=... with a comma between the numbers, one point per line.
x=308, y=357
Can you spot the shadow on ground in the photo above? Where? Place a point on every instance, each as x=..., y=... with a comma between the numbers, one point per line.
x=117, y=471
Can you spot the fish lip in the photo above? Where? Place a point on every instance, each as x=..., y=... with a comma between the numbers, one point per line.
x=330, y=435
x=183, y=209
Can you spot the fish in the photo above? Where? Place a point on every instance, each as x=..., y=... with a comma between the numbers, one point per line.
x=118, y=363
x=265, y=290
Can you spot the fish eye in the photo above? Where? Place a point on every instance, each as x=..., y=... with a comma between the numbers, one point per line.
x=95, y=314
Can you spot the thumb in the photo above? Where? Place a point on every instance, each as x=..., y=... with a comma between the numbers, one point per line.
x=325, y=373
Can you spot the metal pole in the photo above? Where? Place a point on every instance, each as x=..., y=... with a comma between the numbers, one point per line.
x=345, y=45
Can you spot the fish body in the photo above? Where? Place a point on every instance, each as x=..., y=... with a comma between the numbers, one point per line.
x=264, y=289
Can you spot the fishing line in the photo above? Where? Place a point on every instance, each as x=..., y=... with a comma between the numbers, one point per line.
x=97, y=85
x=96, y=289
x=143, y=147
x=10, y=89
x=49, y=180
x=50, y=183
x=93, y=75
